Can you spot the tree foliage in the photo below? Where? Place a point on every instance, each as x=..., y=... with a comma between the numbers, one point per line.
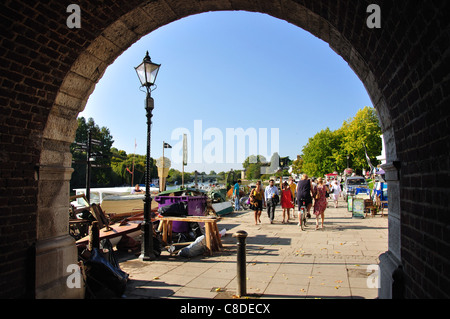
x=110, y=167
x=100, y=175
x=327, y=151
x=297, y=166
x=252, y=165
x=363, y=129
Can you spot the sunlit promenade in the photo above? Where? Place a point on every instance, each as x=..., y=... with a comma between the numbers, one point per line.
x=338, y=261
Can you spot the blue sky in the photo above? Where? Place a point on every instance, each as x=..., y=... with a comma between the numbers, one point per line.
x=228, y=70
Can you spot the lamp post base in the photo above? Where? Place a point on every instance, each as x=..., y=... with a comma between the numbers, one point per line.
x=142, y=257
x=147, y=253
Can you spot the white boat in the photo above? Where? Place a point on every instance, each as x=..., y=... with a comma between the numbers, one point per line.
x=99, y=194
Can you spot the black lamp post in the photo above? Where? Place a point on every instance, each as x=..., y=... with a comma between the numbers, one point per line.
x=147, y=72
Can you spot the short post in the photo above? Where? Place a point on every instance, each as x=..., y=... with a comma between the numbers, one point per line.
x=94, y=236
x=241, y=263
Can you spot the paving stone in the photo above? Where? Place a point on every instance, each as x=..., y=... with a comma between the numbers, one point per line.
x=282, y=262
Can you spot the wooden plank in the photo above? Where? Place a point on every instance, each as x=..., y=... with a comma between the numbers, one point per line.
x=164, y=231
x=200, y=219
x=208, y=237
x=217, y=236
x=116, y=231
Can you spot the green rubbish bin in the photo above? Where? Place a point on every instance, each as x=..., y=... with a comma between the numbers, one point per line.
x=350, y=204
x=358, y=208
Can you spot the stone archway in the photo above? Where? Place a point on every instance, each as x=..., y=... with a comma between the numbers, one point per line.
x=90, y=65
x=399, y=64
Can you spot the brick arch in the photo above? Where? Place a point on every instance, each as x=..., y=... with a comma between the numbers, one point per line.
x=116, y=38
x=52, y=70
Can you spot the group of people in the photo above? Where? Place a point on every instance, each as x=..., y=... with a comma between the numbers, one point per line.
x=292, y=194
x=307, y=191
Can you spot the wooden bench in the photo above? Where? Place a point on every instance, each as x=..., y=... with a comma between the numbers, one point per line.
x=213, y=241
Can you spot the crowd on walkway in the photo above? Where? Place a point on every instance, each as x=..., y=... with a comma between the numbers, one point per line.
x=312, y=193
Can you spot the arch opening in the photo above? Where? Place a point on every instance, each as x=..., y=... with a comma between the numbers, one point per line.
x=90, y=65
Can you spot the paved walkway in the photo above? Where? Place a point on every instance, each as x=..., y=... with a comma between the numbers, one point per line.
x=282, y=261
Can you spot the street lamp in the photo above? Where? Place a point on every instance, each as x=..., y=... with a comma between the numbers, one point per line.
x=147, y=72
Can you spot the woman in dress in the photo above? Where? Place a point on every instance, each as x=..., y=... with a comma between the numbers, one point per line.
x=320, y=201
x=256, y=201
x=287, y=201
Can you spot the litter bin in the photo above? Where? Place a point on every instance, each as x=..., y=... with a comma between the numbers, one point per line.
x=195, y=206
x=350, y=204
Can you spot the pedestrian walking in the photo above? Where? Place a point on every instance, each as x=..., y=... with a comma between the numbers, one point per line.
x=236, y=195
x=320, y=201
x=304, y=193
x=287, y=201
x=335, y=193
x=256, y=201
x=272, y=196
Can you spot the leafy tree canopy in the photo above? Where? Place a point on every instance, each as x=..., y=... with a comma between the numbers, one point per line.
x=327, y=151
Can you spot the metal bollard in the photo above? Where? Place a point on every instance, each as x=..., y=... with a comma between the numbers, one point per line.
x=241, y=263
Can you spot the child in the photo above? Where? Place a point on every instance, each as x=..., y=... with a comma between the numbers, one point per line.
x=287, y=202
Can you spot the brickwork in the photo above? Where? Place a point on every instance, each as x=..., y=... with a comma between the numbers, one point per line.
x=47, y=72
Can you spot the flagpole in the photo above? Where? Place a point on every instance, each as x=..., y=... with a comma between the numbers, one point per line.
x=372, y=168
x=162, y=179
x=132, y=174
x=184, y=161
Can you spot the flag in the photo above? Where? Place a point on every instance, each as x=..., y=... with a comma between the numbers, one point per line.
x=372, y=168
x=166, y=145
x=129, y=171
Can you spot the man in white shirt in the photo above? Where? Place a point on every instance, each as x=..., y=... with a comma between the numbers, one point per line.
x=271, y=202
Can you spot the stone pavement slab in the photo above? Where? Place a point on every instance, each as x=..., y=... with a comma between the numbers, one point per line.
x=282, y=261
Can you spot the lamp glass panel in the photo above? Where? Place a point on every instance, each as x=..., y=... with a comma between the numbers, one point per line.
x=147, y=73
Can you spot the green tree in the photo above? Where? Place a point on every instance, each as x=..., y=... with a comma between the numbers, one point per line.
x=327, y=151
x=252, y=166
x=174, y=176
x=297, y=166
x=363, y=129
x=123, y=167
x=113, y=163
x=221, y=177
x=318, y=158
x=101, y=175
